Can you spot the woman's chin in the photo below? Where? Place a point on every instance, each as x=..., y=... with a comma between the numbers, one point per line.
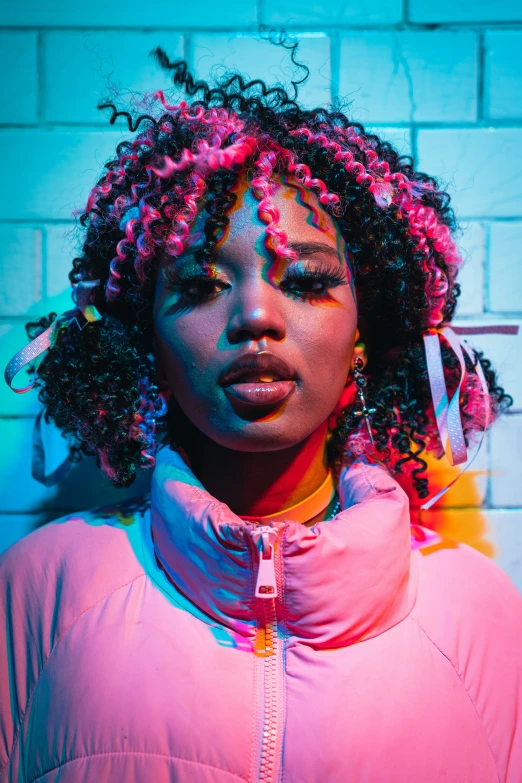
x=261, y=434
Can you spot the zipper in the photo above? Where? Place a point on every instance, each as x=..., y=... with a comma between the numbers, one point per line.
x=268, y=651
x=264, y=538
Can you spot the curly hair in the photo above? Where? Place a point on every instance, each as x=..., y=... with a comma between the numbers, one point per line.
x=97, y=384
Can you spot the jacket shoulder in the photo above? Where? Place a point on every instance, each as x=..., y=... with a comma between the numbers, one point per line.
x=477, y=586
x=74, y=559
x=471, y=611
x=47, y=579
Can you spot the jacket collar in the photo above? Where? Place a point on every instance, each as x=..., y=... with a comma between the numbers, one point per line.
x=343, y=580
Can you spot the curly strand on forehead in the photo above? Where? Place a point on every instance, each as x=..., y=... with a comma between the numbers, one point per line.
x=186, y=157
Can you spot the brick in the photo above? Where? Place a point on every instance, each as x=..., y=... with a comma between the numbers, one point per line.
x=505, y=267
x=20, y=269
x=409, y=76
x=19, y=492
x=16, y=526
x=63, y=243
x=337, y=12
x=400, y=138
x=129, y=14
x=504, y=351
x=59, y=169
x=465, y=11
x=483, y=167
x=258, y=59
x=503, y=74
x=472, y=245
x=18, y=92
x=505, y=530
x=506, y=459
x=80, y=68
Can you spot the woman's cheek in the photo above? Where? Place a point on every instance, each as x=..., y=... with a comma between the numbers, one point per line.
x=191, y=375
x=329, y=345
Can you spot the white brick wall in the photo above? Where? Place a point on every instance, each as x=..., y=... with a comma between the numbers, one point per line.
x=447, y=12
x=51, y=171
x=482, y=168
x=408, y=76
x=132, y=14
x=295, y=13
x=503, y=74
x=505, y=263
x=506, y=458
x=440, y=80
x=21, y=263
x=259, y=59
x=18, y=58
x=473, y=247
x=78, y=66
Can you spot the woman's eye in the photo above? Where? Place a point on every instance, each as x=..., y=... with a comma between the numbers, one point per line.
x=312, y=284
x=307, y=285
x=197, y=289
x=202, y=289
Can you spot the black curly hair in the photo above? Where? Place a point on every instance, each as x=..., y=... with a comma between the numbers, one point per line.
x=97, y=384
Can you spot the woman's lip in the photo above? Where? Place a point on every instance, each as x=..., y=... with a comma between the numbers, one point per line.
x=258, y=393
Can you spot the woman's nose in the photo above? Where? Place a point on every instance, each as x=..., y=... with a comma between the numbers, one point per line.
x=256, y=313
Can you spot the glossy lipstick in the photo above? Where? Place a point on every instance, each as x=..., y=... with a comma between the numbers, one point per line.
x=262, y=379
x=261, y=393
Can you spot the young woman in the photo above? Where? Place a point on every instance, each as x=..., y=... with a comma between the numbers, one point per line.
x=268, y=290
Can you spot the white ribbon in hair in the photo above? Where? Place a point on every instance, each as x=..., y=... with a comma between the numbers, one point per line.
x=81, y=295
x=447, y=411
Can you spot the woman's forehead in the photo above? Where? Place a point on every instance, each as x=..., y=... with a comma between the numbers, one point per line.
x=301, y=217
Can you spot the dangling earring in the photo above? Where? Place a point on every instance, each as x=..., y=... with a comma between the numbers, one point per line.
x=360, y=382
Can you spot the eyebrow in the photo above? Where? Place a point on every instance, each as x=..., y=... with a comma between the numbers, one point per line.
x=313, y=248
x=307, y=248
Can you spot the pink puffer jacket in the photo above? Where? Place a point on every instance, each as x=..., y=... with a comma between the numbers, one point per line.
x=133, y=648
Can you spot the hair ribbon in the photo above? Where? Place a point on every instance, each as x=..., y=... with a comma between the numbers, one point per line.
x=447, y=411
x=81, y=296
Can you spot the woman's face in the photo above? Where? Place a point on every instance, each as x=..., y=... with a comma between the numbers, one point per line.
x=301, y=313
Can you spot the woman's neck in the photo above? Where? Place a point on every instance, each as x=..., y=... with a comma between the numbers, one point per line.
x=260, y=483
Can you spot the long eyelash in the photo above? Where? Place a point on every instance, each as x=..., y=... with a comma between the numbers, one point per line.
x=181, y=281
x=331, y=278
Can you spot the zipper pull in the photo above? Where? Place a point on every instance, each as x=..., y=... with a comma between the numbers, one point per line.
x=264, y=538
